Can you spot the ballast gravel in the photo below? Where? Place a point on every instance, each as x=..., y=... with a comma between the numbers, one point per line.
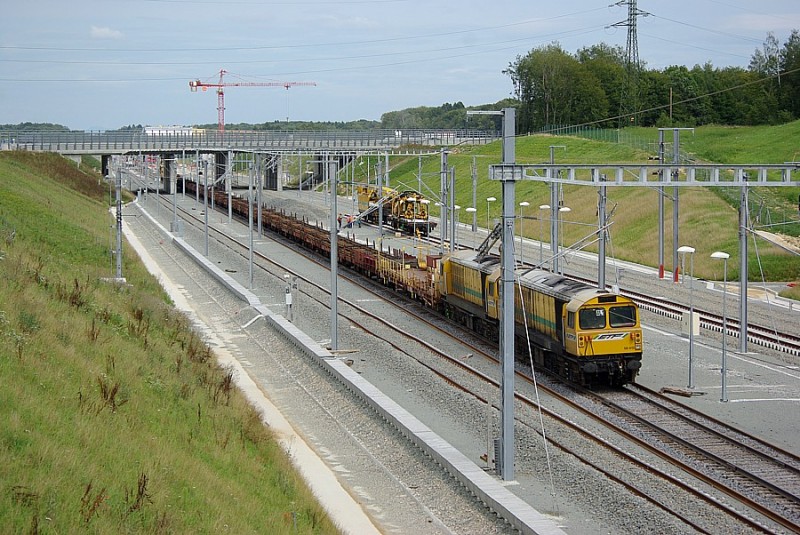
x=404, y=491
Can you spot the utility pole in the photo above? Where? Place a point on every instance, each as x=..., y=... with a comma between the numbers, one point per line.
x=443, y=193
x=661, y=209
x=229, y=185
x=474, y=195
x=452, y=208
x=331, y=172
x=379, y=178
x=676, y=159
x=555, y=203
x=602, y=224
x=744, y=212
x=511, y=173
x=443, y=204
x=507, y=299
x=118, y=199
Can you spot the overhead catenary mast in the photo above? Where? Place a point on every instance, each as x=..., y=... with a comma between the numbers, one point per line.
x=221, y=84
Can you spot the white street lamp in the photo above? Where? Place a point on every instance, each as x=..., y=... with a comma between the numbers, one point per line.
x=542, y=207
x=683, y=251
x=720, y=255
x=522, y=205
x=489, y=200
x=472, y=210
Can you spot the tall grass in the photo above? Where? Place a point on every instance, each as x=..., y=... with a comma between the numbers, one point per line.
x=116, y=417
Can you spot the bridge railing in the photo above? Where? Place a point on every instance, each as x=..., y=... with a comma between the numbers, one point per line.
x=119, y=142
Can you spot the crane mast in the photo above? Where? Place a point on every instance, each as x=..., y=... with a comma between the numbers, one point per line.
x=221, y=84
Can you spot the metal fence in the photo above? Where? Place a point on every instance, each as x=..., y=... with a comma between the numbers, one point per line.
x=608, y=135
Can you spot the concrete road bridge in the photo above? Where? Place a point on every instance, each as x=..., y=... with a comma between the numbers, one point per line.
x=217, y=152
x=76, y=143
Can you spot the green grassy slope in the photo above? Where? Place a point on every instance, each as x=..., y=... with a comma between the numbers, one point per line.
x=116, y=418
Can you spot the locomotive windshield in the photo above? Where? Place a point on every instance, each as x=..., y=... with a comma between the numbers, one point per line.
x=623, y=316
x=592, y=318
x=619, y=316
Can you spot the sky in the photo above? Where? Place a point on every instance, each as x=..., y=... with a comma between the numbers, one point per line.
x=104, y=64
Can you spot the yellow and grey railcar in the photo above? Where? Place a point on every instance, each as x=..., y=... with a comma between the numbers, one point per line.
x=467, y=289
x=586, y=335
x=582, y=333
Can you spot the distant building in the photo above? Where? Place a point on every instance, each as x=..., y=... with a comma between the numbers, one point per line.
x=168, y=130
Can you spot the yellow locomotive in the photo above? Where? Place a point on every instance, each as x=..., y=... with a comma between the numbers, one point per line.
x=585, y=335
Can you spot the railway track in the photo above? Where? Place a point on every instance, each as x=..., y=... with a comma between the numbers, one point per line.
x=749, y=475
x=765, y=478
x=771, y=338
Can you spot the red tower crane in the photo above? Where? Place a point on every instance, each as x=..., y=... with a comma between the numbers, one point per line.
x=194, y=84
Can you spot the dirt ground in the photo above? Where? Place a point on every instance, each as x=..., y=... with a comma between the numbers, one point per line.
x=790, y=243
x=793, y=241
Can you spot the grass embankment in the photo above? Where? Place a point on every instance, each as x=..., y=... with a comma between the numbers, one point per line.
x=116, y=418
x=708, y=217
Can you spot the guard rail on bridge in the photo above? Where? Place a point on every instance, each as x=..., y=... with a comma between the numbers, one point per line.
x=125, y=142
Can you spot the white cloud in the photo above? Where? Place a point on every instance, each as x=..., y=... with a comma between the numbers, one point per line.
x=105, y=33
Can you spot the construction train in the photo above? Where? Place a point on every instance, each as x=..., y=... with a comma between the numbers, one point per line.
x=405, y=211
x=582, y=334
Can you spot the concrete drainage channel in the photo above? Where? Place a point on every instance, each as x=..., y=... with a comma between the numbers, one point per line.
x=487, y=489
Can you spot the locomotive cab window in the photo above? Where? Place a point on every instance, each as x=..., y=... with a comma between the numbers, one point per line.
x=623, y=316
x=592, y=318
x=571, y=320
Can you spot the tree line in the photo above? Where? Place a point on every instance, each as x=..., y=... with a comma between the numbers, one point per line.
x=597, y=86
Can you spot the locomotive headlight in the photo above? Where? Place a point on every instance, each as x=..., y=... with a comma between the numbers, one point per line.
x=581, y=340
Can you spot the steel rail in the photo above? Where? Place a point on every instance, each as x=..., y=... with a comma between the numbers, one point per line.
x=453, y=360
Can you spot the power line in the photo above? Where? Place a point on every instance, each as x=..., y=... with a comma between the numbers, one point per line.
x=710, y=30
x=690, y=45
x=302, y=72
x=304, y=45
x=540, y=37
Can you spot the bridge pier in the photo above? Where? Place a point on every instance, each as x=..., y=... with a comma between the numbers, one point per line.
x=169, y=173
x=271, y=181
x=105, y=164
x=220, y=165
